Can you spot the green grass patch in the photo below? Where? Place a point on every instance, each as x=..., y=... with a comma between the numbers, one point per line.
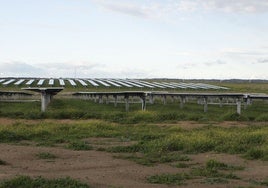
x=214, y=169
x=211, y=173
x=28, y=182
x=79, y=145
x=169, y=179
x=46, y=155
x=157, y=143
x=154, y=158
x=63, y=108
x=215, y=181
x=182, y=165
x=3, y=162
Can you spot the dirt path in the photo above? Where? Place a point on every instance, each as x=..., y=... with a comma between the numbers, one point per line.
x=101, y=169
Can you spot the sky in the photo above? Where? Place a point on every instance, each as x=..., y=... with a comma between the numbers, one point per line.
x=184, y=39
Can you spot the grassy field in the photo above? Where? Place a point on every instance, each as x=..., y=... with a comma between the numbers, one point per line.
x=148, y=138
x=149, y=145
x=85, y=109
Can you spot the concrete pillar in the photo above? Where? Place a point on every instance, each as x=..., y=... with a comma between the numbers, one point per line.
x=45, y=100
x=143, y=103
x=151, y=99
x=107, y=99
x=172, y=99
x=220, y=101
x=100, y=99
x=238, y=105
x=95, y=98
x=181, y=102
x=115, y=100
x=164, y=97
x=127, y=102
x=205, y=104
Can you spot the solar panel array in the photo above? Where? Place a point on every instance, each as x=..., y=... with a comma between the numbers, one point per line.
x=106, y=83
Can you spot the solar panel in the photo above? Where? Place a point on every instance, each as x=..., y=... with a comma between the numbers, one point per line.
x=2, y=80
x=165, y=85
x=72, y=82
x=103, y=83
x=122, y=83
x=61, y=82
x=157, y=84
x=182, y=86
x=30, y=82
x=188, y=85
x=93, y=83
x=113, y=83
x=82, y=82
x=40, y=82
x=194, y=86
x=51, y=82
x=131, y=83
x=143, y=83
x=19, y=82
x=8, y=81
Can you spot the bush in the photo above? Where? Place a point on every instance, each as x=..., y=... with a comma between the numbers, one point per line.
x=79, y=145
x=254, y=153
x=27, y=182
x=170, y=179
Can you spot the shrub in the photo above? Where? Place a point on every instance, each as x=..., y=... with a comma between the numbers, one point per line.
x=27, y=182
x=170, y=179
x=79, y=145
x=254, y=153
x=46, y=155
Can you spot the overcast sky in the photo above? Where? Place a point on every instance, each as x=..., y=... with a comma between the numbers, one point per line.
x=218, y=39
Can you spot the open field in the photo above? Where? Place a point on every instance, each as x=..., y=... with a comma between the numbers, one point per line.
x=105, y=154
x=80, y=143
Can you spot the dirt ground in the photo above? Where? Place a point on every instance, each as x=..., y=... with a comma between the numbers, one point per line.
x=102, y=169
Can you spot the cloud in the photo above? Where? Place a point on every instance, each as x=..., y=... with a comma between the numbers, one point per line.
x=123, y=7
x=20, y=69
x=238, y=6
x=217, y=62
x=262, y=61
x=188, y=65
x=71, y=70
x=167, y=9
x=243, y=52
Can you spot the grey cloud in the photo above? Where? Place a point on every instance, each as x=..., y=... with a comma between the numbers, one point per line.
x=72, y=65
x=262, y=61
x=217, y=62
x=245, y=53
x=186, y=65
x=19, y=69
x=152, y=9
x=125, y=8
x=241, y=6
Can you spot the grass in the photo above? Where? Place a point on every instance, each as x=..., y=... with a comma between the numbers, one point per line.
x=28, y=182
x=79, y=145
x=46, y=155
x=2, y=162
x=224, y=140
x=211, y=173
x=171, y=112
x=155, y=143
x=154, y=158
x=169, y=179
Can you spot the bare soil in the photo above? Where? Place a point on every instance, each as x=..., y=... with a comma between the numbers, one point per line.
x=102, y=169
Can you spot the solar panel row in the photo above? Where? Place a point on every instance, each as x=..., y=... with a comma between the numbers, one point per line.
x=111, y=83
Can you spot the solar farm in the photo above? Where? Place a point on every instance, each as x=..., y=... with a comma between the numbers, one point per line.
x=100, y=132
x=104, y=83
